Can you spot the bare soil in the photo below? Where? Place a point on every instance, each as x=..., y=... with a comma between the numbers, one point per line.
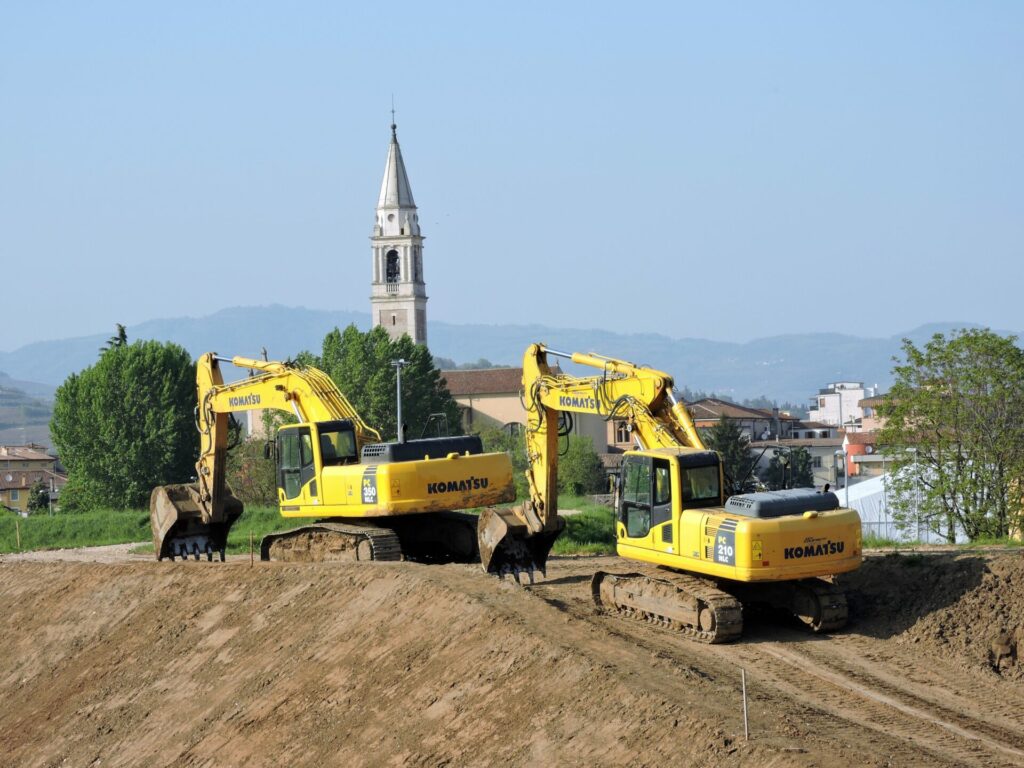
x=115, y=661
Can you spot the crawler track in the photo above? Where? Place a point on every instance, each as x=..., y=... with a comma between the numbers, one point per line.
x=686, y=604
x=332, y=541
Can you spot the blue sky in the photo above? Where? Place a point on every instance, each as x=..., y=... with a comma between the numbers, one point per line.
x=717, y=170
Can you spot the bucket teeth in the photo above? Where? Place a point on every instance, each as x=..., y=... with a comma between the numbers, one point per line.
x=508, y=547
x=517, y=570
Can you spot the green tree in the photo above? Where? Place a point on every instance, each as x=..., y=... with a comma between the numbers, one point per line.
x=119, y=339
x=38, y=497
x=496, y=440
x=789, y=469
x=728, y=439
x=361, y=365
x=955, y=429
x=579, y=468
x=125, y=425
x=251, y=476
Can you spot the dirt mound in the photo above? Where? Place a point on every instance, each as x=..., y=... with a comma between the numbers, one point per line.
x=950, y=604
x=209, y=664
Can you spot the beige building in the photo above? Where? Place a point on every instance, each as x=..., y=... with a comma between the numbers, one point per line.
x=488, y=398
x=872, y=422
x=755, y=423
x=21, y=467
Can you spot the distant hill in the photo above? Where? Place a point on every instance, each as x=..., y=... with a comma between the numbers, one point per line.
x=31, y=388
x=790, y=367
x=23, y=418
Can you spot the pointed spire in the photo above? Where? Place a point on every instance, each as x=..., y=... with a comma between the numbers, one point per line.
x=395, y=191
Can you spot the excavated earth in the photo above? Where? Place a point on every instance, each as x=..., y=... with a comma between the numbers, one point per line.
x=115, y=661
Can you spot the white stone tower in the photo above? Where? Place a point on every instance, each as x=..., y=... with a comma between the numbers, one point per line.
x=399, y=296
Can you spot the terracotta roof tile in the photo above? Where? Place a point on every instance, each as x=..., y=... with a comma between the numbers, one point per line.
x=812, y=442
x=484, y=381
x=713, y=408
x=22, y=453
x=20, y=479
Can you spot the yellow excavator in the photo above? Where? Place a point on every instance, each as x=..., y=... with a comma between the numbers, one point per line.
x=704, y=556
x=376, y=500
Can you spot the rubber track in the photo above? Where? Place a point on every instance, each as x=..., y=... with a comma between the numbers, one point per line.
x=728, y=611
x=384, y=542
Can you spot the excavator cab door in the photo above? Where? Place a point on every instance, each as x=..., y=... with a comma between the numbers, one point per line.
x=635, y=498
x=296, y=467
x=645, y=506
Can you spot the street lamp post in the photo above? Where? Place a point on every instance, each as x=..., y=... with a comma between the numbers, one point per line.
x=846, y=479
x=399, y=365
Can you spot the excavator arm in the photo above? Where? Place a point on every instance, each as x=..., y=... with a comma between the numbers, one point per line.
x=307, y=392
x=519, y=539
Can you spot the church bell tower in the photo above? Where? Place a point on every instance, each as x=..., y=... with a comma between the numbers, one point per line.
x=399, y=296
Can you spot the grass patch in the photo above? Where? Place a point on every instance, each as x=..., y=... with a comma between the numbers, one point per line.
x=590, y=532
x=881, y=542
x=261, y=521
x=85, y=529
x=991, y=541
x=110, y=526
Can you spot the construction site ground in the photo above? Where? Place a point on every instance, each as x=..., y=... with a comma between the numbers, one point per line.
x=108, y=658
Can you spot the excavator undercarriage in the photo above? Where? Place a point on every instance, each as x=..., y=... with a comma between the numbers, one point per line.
x=712, y=611
x=432, y=537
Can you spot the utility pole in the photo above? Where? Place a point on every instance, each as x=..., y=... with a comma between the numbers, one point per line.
x=399, y=365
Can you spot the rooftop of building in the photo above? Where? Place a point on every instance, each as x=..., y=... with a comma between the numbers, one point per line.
x=24, y=453
x=712, y=408
x=20, y=479
x=484, y=381
x=810, y=442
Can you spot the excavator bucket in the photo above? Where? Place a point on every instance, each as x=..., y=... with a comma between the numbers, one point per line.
x=178, y=527
x=508, y=547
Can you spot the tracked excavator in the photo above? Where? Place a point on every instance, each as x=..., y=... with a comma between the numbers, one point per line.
x=376, y=500
x=700, y=558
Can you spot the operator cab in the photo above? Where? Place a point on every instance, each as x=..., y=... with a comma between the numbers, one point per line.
x=654, y=483
x=296, y=465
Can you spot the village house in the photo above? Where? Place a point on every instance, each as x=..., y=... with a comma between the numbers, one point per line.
x=21, y=467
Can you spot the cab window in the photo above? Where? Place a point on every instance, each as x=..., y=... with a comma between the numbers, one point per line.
x=636, y=496
x=662, y=483
x=700, y=484
x=295, y=460
x=338, y=446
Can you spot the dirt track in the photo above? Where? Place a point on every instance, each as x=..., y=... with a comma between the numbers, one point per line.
x=144, y=663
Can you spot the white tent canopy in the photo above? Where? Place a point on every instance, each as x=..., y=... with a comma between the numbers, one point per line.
x=871, y=500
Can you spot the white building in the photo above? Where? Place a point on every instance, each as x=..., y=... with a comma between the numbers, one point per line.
x=398, y=298
x=838, y=404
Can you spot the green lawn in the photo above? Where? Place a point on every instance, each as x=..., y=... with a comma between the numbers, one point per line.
x=105, y=526
x=592, y=531
x=589, y=532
